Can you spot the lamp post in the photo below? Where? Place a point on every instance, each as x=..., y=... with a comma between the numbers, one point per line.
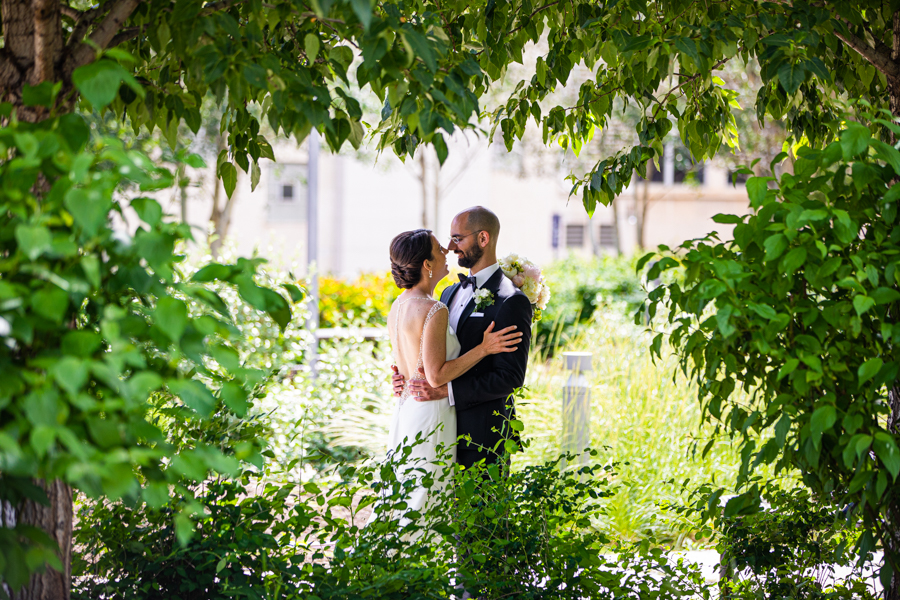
x=576, y=405
x=312, y=252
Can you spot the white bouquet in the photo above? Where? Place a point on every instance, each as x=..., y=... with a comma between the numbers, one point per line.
x=527, y=276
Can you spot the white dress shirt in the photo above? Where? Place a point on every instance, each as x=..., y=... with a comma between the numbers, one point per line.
x=459, y=302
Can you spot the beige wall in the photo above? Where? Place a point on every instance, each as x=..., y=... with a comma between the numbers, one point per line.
x=363, y=205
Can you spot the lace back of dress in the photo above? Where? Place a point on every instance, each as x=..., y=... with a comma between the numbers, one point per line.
x=420, y=362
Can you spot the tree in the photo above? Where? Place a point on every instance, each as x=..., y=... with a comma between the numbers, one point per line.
x=429, y=63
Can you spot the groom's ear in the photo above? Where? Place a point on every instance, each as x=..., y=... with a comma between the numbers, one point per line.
x=484, y=238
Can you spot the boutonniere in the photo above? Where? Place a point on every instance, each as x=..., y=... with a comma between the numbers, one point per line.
x=483, y=298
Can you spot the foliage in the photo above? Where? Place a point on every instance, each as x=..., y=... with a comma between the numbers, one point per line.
x=580, y=286
x=642, y=418
x=790, y=549
x=527, y=535
x=94, y=322
x=364, y=301
x=240, y=547
x=311, y=415
x=799, y=309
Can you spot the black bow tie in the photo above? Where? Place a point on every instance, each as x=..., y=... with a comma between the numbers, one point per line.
x=464, y=281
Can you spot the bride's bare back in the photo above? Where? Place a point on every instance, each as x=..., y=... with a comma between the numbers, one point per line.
x=406, y=325
x=419, y=340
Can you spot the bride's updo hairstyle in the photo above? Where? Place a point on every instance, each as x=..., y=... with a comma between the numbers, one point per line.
x=409, y=251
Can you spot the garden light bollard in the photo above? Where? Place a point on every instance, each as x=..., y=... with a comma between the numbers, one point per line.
x=576, y=408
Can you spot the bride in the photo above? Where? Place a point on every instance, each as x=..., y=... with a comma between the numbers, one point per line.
x=421, y=338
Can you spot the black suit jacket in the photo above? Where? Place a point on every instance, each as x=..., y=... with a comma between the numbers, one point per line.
x=482, y=394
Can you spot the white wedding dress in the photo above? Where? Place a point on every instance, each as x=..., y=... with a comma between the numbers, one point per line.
x=433, y=420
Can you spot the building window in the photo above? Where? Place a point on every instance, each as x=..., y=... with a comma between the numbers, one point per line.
x=574, y=236
x=608, y=236
x=287, y=192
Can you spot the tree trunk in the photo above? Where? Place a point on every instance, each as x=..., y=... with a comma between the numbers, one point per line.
x=641, y=206
x=423, y=181
x=56, y=521
x=892, y=514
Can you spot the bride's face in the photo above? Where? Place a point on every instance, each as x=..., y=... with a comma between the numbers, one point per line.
x=439, y=260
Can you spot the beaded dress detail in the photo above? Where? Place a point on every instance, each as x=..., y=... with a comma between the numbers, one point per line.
x=420, y=363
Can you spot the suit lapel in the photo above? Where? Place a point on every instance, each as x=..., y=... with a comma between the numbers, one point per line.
x=493, y=285
x=451, y=291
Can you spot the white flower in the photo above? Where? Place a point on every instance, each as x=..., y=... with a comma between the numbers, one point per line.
x=532, y=289
x=483, y=298
x=544, y=297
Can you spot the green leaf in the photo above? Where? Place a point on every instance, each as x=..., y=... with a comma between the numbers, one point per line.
x=791, y=76
x=148, y=209
x=363, y=11
x=295, y=292
x=228, y=174
x=235, y=398
x=886, y=449
x=171, y=316
x=100, y=80
x=311, y=45
x=885, y=295
x=855, y=140
x=757, y=188
x=793, y=260
x=787, y=368
x=43, y=94
x=254, y=176
x=70, y=374
x=194, y=394
x=51, y=303
x=775, y=245
x=33, y=240
x=90, y=208
x=822, y=420
x=212, y=272
x=862, y=303
x=420, y=45
x=869, y=369
x=689, y=47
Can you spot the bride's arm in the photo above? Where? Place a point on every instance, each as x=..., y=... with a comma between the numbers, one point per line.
x=439, y=370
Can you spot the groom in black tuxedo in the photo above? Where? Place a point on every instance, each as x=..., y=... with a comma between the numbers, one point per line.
x=483, y=395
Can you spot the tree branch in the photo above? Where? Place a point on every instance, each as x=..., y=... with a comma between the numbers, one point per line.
x=879, y=57
x=48, y=42
x=126, y=35
x=68, y=11
x=82, y=24
x=103, y=34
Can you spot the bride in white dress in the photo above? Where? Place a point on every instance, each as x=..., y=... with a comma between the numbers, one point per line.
x=421, y=338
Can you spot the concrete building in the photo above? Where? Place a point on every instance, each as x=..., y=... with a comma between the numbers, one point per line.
x=363, y=204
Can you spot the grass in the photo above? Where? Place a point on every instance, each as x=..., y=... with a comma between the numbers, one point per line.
x=644, y=416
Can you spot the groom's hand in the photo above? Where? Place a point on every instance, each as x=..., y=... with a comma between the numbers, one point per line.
x=422, y=392
x=398, y=380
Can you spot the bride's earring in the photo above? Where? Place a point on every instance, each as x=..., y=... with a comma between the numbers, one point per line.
x=429, y=273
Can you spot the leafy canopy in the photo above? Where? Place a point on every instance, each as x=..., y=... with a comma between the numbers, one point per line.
x=800, y=310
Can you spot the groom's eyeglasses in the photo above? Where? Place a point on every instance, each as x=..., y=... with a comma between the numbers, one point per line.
x=456, y=239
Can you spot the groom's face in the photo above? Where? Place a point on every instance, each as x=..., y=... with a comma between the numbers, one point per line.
x=468, y=251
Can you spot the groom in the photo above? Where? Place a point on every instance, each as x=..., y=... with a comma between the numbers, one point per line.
x=483, y=395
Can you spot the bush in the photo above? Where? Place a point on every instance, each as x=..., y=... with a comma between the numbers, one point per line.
x=579, y=287
x=527, y=535
x=791, y=550
x=363, y=302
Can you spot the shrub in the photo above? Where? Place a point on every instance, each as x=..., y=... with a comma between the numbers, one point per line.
x=579, y=287
x=527, y=535
x=365, y=301
x=791, y=549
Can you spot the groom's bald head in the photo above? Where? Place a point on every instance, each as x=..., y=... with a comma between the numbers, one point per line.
x=479, y=218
